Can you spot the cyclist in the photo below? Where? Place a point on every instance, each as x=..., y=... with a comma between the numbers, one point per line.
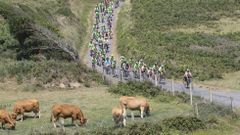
x=107, y=65
x=113, y=66
x=187, y=77
x=94, y=60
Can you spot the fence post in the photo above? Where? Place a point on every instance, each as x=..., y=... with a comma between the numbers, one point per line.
x=156, y=82
x=172, y=86
x=231, y=99
x=140, y=75
x=120, y=75
x=190, y=93
x=196, y=109
x=210, y=95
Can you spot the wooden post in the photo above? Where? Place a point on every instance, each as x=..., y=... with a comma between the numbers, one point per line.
x=120, y=75
x=231, y=99
x=190, y=93
x=156, y=82
x=210, y=95
x=130, y=75
x=196, y=109
x=140, y=75
x=172, y=87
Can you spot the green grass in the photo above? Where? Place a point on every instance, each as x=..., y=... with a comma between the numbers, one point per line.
x=146, y=29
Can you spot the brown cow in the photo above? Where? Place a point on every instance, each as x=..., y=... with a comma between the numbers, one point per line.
x=67, y=111
x=118, y=116
x=133, y=103
x=30, y=105
x=5, y=118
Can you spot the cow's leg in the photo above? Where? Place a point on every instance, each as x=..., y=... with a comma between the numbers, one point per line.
x=124, y=112
x=132, y=115
x=22, y=117
x=53, y=121
x=62, y=124
x=39, y=114
x=54, y=124
x=142, y=110
x=124, y=121
x=74, y=120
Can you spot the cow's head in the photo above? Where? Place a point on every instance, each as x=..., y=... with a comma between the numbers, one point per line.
x=83, y=121
x=14, y=116
x=12, y=124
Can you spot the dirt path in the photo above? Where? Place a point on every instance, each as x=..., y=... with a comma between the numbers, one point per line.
x=85, y=49
x=114, y=41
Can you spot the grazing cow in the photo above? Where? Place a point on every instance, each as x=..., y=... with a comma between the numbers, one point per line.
x=30, y=105
x=118, y=116
x=133, y=103
x=5, y=118
x=67, y=111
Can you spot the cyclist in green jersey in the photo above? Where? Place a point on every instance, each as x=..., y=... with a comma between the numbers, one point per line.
x=131, y=63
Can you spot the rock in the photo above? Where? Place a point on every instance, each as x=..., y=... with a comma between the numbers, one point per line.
x=75, y=85
x=62, y=86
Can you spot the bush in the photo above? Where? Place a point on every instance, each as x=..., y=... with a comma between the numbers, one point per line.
x=49, y=72
x=140, y=128
x=146, y=89
x=185, y=124
x=206, y=111
x=146, y=128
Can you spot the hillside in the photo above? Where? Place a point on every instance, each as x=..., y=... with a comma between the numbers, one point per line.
x=201, y=35
x=40, y=39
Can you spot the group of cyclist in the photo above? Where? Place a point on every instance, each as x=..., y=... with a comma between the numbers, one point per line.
x=99, y=46
x=140, y=69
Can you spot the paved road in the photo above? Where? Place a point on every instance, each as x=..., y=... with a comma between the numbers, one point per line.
x=220, y=96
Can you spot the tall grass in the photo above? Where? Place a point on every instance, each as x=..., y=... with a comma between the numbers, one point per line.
x=48, y=72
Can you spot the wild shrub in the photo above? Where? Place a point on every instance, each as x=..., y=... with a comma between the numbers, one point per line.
x=207, y=111
x=49, y=72
x=185, y=124
x=146, y=89
x=140, y=128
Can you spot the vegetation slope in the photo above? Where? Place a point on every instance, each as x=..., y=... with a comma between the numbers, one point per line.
x=202, y=35
x=40, y=39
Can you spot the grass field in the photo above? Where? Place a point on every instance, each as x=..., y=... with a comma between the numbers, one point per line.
x=95, y=102
x=229, y=81
x=200, y=35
